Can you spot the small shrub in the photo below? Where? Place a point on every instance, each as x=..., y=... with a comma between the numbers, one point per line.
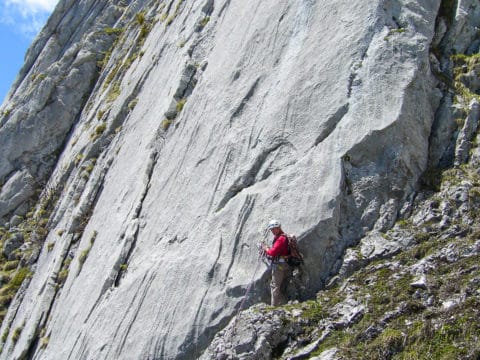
x=314, y=311
x=19, y=277
x=44, y=342
x=397, y=31
x=42, y=212
x=50, y=246
x=111, y=75
x=169, y=20
x=90, y=168
x=204, y=21
x=104, y=61
x=3, y=313
x=62, y=276
x=113, y=31
x=462, y=64
x=177, y=8
x=392, y=32
x=175, y=13
x=16, y=334
x=421, y=237
x=79, y=158
x=10, y=265
x=166, y=124
x=100, y=114
x=60, y=232
x=114, y=92
x=132, y=104
x=84, y=254
x=99, y=130
x=140, y=18
x=6, y=112
x=130, y=61
x=181, y=104
x=163, y=17
x=38, y=77
x=404, y=224
x=144, y=31
x=123, y=267
x=5, y=335
x=389, y=342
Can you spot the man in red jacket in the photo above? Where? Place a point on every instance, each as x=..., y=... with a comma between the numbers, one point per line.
x=280, y=269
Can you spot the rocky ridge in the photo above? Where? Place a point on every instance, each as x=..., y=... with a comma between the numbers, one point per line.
x=128, y=99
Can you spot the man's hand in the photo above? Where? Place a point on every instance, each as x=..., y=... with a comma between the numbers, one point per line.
x=262, y=248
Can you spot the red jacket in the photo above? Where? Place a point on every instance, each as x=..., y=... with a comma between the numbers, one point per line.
x=279, y=247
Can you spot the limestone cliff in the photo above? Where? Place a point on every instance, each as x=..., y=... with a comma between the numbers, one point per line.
x=146, y=143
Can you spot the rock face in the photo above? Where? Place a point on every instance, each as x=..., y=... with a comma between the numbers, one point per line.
x=400, y=304
x=49, y=94
x=169, y=132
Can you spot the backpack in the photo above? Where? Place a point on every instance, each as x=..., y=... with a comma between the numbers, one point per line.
x=295, y=257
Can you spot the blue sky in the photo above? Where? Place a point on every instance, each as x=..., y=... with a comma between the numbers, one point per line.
x=20, y=22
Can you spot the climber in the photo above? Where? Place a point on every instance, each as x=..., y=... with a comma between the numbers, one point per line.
x=280, y=269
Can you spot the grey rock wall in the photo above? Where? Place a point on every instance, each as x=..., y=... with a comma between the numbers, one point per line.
x=51, y=90
x=206, y=119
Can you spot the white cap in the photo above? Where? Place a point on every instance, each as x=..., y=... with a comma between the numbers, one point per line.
x=273, y=224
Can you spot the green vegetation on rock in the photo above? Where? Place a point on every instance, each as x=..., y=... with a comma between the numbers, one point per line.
x=166, y=124
x=113, y=31
x=180, y=104
x=84, y=254
x=99, y=130
x=204, y=21
x=464, y=66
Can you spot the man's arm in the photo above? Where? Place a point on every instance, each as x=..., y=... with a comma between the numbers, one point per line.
x=278, y=248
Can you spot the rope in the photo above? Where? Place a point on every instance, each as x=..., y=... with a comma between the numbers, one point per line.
x=250, y=285
x=234, y=326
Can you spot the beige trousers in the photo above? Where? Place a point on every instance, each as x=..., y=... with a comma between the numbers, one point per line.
x=280, y=275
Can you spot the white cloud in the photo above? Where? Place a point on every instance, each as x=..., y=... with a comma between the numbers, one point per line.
x=27, y=17
x=33, y=6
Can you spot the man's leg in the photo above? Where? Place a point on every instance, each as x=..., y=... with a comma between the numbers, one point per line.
x=279, y=272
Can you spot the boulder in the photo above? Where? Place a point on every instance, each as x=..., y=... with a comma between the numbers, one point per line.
x=11, y=244
x=16, y=191
x=15, y=220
